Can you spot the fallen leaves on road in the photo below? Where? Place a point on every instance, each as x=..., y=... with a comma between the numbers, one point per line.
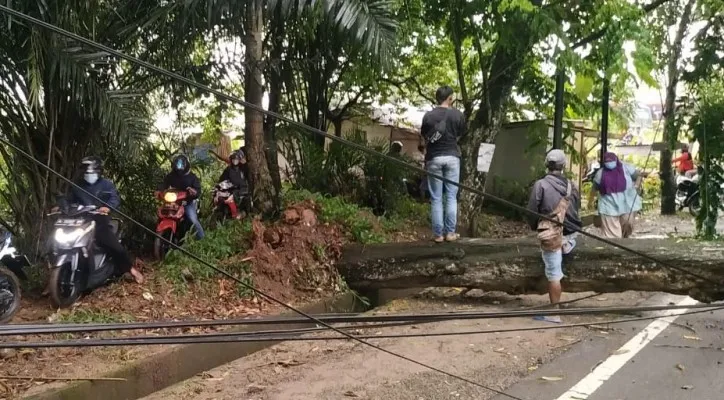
x=552, y=378
x=680, y=367
x=621, y=351
x=692, y=337
x=350, y=393
x=687, y=387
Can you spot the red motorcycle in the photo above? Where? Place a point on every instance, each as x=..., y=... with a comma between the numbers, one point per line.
x=172, y=224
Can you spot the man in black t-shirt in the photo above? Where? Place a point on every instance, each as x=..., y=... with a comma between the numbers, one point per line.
x=442, y=128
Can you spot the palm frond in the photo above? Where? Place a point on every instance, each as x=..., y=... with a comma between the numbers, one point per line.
x=372, y=22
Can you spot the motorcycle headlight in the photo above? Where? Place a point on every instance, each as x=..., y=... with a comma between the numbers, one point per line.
x=170, y=197
x=69, y=237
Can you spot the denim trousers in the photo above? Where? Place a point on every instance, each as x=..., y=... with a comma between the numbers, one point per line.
x=444, y=221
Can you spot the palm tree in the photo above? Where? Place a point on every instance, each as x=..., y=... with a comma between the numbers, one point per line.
x=61, y=101
x=368, y=23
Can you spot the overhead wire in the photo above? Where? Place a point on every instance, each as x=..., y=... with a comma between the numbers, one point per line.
x=360, y=147
x=248, y=286
x=231, y=337
x=348, y=143
x=41, y=329
x=221, y=271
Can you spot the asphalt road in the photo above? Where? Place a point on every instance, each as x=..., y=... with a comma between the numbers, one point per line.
x=666, y=361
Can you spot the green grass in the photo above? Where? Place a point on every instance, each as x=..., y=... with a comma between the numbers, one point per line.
x=220, y=244
x=360, y=223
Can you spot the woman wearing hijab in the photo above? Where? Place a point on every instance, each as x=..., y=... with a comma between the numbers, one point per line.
x=619, y=200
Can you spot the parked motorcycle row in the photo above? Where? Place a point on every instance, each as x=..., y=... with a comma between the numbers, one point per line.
x=78, y=265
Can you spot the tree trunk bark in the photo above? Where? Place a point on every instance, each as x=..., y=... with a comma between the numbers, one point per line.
x=515, y=266
x=671, y=132
x=264, y=196
x=508, y=57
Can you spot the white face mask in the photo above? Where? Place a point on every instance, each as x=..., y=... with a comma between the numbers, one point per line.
x=235, y=162
x=91, y=178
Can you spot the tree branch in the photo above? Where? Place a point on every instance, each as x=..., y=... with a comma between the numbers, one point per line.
x=411, y=80
x=599, y=34
x=455, y=27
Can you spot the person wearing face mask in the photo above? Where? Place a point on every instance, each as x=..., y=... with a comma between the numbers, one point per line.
x=94, y=183
x=619, y=201
x=181, y=178
x=235, y=174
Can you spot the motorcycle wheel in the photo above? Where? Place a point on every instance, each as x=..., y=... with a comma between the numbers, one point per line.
x=61, y=295
x=160, y=247
x=9, y=295
x=694, y=206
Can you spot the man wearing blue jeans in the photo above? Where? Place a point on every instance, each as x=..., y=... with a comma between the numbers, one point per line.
x=442, y=128
x=181, y=178
x=545, y=198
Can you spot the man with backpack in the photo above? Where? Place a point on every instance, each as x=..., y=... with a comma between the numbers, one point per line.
x=442, y=128
x=558, y=198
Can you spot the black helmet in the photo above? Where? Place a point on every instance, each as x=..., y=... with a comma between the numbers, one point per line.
x=235, y=155
x=91, y=164
x=180, y=164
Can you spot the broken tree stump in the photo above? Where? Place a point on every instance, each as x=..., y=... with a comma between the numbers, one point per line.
x=515, y=266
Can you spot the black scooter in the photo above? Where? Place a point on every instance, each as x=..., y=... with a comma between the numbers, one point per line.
x=12, y=269
x=77, y=263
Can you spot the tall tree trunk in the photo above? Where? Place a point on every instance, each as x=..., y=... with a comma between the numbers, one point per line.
x=671, y=132
x=264, y=195
x=508, y=58
x=275, y=93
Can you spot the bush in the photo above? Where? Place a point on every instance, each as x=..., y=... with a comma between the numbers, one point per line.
x=228, y=239
x=363, y=179
x=358, y=222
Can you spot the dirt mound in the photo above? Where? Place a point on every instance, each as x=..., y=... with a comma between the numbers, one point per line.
x=295, y=257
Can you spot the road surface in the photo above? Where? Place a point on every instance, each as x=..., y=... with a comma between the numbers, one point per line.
x=684, y=360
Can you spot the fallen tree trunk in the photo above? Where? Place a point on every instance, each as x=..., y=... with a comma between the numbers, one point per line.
x=515, y=266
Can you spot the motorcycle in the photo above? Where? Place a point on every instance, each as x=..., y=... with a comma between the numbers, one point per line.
x=77, y=263
x=12, y=269
x=687, y=194
x=221, y=194
x=172, y=225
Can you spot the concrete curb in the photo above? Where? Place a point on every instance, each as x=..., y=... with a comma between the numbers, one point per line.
x=181, y=362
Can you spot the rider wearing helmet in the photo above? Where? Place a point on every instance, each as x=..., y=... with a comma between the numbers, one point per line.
x=235, y=174
x=94, y=183
x=182, y=178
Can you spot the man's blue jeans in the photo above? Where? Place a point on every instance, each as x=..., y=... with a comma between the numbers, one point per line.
x=193, y=217
x=443, y=221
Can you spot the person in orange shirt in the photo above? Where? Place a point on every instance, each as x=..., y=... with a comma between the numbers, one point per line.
x=685, y=162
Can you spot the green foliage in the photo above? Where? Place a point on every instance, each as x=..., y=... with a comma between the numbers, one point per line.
x=341, y=171
x=708, y=127
x=651, y=192
x=361, y=224
x=220, y=244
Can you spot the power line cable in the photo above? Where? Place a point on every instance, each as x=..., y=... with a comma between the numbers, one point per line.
x=41, y=329
x=228, y=337
x=221, y=95
x=250, y=287
x=328, y=135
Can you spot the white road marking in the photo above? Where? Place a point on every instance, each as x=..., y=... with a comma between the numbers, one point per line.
x=604, y=371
